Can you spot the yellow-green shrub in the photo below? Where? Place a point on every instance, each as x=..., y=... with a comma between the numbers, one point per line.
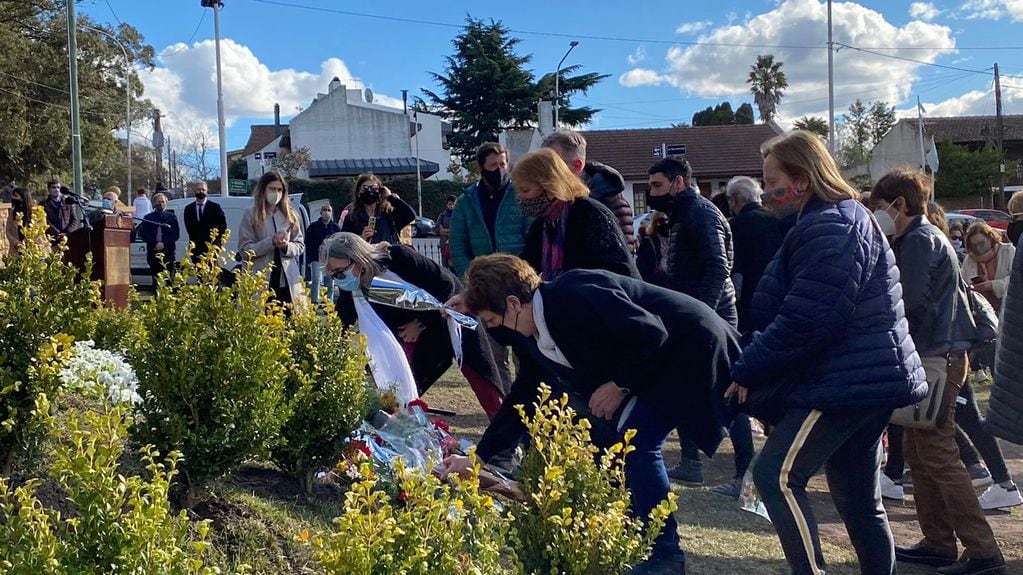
x=40, y=296
x=577, y=518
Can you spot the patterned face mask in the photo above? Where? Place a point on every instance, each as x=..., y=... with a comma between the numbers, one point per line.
x=536, y=207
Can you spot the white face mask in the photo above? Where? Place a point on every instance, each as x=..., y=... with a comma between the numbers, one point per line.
x=885, y=221
x=273, y=198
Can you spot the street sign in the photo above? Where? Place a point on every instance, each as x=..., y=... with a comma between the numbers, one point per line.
x=669, y=150
x=238, y=187
x=259, y=156
x=273, y=155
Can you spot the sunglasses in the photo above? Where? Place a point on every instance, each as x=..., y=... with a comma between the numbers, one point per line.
x=370, y=188
x=340, y=273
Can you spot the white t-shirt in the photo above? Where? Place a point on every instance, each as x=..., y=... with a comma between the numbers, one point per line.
x=142, y=206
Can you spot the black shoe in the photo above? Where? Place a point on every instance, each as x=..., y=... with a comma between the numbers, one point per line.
x=976, y=566
x=669, y=564
x=921, y=554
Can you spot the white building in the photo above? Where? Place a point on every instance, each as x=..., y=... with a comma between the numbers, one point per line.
x=347, y=134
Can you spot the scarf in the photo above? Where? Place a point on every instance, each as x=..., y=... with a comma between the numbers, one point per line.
x=553, y=251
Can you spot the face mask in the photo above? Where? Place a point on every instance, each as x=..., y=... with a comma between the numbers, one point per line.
x=369, y=196
x=495, y=178
x=536, y=207
x=957, y=243
x=662, y=203
x=349, y=281
x=200, y=196
x=885, y=221
x=326, y=216
x=159, y=208
x=273, y=198
x=981, y=249
x=663, y=230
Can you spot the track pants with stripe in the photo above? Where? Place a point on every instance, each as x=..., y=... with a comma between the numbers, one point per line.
x=848, y=445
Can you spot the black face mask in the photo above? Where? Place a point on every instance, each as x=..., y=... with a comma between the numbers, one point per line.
x=663, y=230
x=369, y=197
x=660, y=203
x=200, y=196
x=494, y=178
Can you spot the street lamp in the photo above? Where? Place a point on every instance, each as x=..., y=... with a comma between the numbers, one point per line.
x=557, y=82
x=217, y=5
x=127, y=104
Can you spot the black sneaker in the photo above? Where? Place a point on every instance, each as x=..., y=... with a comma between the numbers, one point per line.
x=921, y=554
x=669, y=564
x=688, y=472
x=975, y=566
x=731, y=489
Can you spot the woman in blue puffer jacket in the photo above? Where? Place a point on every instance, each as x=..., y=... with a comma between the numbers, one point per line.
x=829, y=360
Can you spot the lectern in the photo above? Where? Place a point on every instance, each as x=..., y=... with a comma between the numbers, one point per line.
x=109, y=242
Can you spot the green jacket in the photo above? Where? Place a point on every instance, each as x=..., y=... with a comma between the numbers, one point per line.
x=469, y=236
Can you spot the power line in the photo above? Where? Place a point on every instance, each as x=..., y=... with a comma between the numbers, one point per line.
x=113, y=13
x=27, y=81
x=913, y=60
x=613, y=38
x=189, y=41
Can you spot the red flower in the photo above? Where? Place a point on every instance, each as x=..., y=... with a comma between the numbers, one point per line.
x=402, y=496
x=422, y=404
x=360, y=445
x=442, y=425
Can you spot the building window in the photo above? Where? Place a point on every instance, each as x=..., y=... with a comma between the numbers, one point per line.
x=639, y=198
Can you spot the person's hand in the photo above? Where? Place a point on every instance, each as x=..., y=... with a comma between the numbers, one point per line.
x=386, y=192
x=367, y=233
x=457, y=303
x=986, y=286
x=457, y=464
x=736, y=389
x=605, y=401
x=410, y=332
x=159, y=246
x=280, y=241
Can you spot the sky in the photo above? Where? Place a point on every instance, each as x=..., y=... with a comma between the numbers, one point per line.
x=666, y=59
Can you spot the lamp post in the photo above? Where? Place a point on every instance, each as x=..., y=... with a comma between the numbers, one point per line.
x=76, y=131
x=557, y=82
x=127, y=105
x=217, y=5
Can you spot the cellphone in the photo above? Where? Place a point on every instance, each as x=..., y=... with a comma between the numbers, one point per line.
x=372, y=222
x=977, y=280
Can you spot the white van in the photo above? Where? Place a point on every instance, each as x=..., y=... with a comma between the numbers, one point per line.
x=234, y=207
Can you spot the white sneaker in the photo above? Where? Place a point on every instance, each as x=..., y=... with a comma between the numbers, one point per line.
x=891, y=490
x=998, y=497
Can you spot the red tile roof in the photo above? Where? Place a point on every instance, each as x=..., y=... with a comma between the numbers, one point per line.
x=259, y=136
x=971, y=129
x=714, y=151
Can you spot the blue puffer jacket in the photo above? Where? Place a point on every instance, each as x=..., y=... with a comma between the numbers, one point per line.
x=830, y=320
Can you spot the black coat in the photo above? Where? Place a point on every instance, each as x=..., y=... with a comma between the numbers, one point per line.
x=607, y=186
x=648, y=260
x=756, y=237
x=200, y=232
x=699, y=260
x=593, y=240
x=389, y=224
x=1005, y=413
x=665, y=347
x=433, y=353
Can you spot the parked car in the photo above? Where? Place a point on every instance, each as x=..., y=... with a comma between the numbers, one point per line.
x=234, y=208
x=995, y=218
x=964, y=220
x=424, y=227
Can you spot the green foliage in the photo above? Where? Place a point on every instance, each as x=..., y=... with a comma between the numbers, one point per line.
x=576, y=519
x=568, y=85
x=238, y=169
x=339, y=192
x=40, y=297
x=722, y=115
x=965, y=172
x=767, y=84
x=325, y=391
x=813, y=124
x=211, y=363
x=863, y=127
x=115, y=328
x=433, y=528
x=744, y=114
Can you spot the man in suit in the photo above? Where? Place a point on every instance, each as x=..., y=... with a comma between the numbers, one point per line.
x=159, y=229
x=204, y=220
x=644, y=357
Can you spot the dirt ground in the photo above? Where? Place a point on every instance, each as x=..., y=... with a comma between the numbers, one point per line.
x=722, y=539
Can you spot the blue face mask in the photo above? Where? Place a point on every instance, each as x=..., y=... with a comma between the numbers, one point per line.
x=349, y=281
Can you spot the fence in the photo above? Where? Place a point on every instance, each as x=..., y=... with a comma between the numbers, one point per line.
x=429, y=247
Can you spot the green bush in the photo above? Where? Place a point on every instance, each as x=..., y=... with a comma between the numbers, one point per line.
x=211, y=363
x=119, y=523
x=339, y=192
x=433, y=528
x=326, y=391
x=116, y=328
x=576, y=519
x=40, y=296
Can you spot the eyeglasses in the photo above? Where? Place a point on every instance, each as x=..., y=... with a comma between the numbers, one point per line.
x=370, y=188
x=340, y=273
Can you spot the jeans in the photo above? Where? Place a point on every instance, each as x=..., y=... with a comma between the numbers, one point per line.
x=316, y=280
x=645, y=475
x=849, y=446
x=972, y=423
x=741, y=435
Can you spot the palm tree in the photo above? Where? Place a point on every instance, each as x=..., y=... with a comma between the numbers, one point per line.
x=767, y=82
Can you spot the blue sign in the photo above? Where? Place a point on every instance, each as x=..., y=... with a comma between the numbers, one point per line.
x=273, y=155
x=670, y=150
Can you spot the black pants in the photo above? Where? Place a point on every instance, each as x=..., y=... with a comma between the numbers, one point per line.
x=741, y=435
x=849, y=446
x=157, y=265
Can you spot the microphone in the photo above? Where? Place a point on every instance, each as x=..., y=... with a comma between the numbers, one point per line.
x=153, y=222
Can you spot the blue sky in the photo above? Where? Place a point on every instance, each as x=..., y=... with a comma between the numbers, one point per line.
x=278, y=51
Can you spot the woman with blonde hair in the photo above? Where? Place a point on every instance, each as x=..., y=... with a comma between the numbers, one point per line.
x=988, y=262
x=830, y=357
x=376, y=214
x=571, y=230
x=270, y=234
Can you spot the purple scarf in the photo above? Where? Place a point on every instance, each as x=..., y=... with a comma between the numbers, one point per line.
x=553, y=254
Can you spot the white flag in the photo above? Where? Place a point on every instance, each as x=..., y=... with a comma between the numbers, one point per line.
x=932, y=157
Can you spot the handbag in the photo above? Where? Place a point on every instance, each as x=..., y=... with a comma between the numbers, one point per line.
x=984, y=316
x=931, y=412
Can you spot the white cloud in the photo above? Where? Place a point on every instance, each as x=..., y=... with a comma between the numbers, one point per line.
x=637, y=56
x=972, y=103
x=641, y=77
x=184, y=86
x=993, y=9
x=692, y=27
x=721, y=71
x=926, y=11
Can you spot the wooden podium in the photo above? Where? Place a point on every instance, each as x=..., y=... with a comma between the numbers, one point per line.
x=109, y=242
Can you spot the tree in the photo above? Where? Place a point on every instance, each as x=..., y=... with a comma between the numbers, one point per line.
x=965, y=172
x=767, y=84
x=238, y=169
x=569, y=85
x=720, y=115
x=856, y=133
x=744, y=115
x=880, y=119
x=814, y=124
x=35, y=141
x=289, y=164
x=194, y=156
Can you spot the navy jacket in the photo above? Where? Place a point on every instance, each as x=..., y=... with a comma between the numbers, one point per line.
x=829, y=319
x=1005, y=414
x=756, y=235
x=169, y=236
x=314, y=236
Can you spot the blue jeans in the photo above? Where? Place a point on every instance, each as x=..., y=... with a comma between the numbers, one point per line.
x=317, y=279
x=645, y=474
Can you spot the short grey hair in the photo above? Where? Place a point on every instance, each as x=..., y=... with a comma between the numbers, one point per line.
x=745, y=188
x=567, y=140
x=372, y=257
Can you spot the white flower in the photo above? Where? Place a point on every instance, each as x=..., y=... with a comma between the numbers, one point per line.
x=100, y=371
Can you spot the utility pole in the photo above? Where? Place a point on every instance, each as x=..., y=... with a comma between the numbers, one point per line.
x=76, y=130
x=221, y=126
x=419, y=173
x=1001, y=142
x=158, y=144
x=831, y=87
